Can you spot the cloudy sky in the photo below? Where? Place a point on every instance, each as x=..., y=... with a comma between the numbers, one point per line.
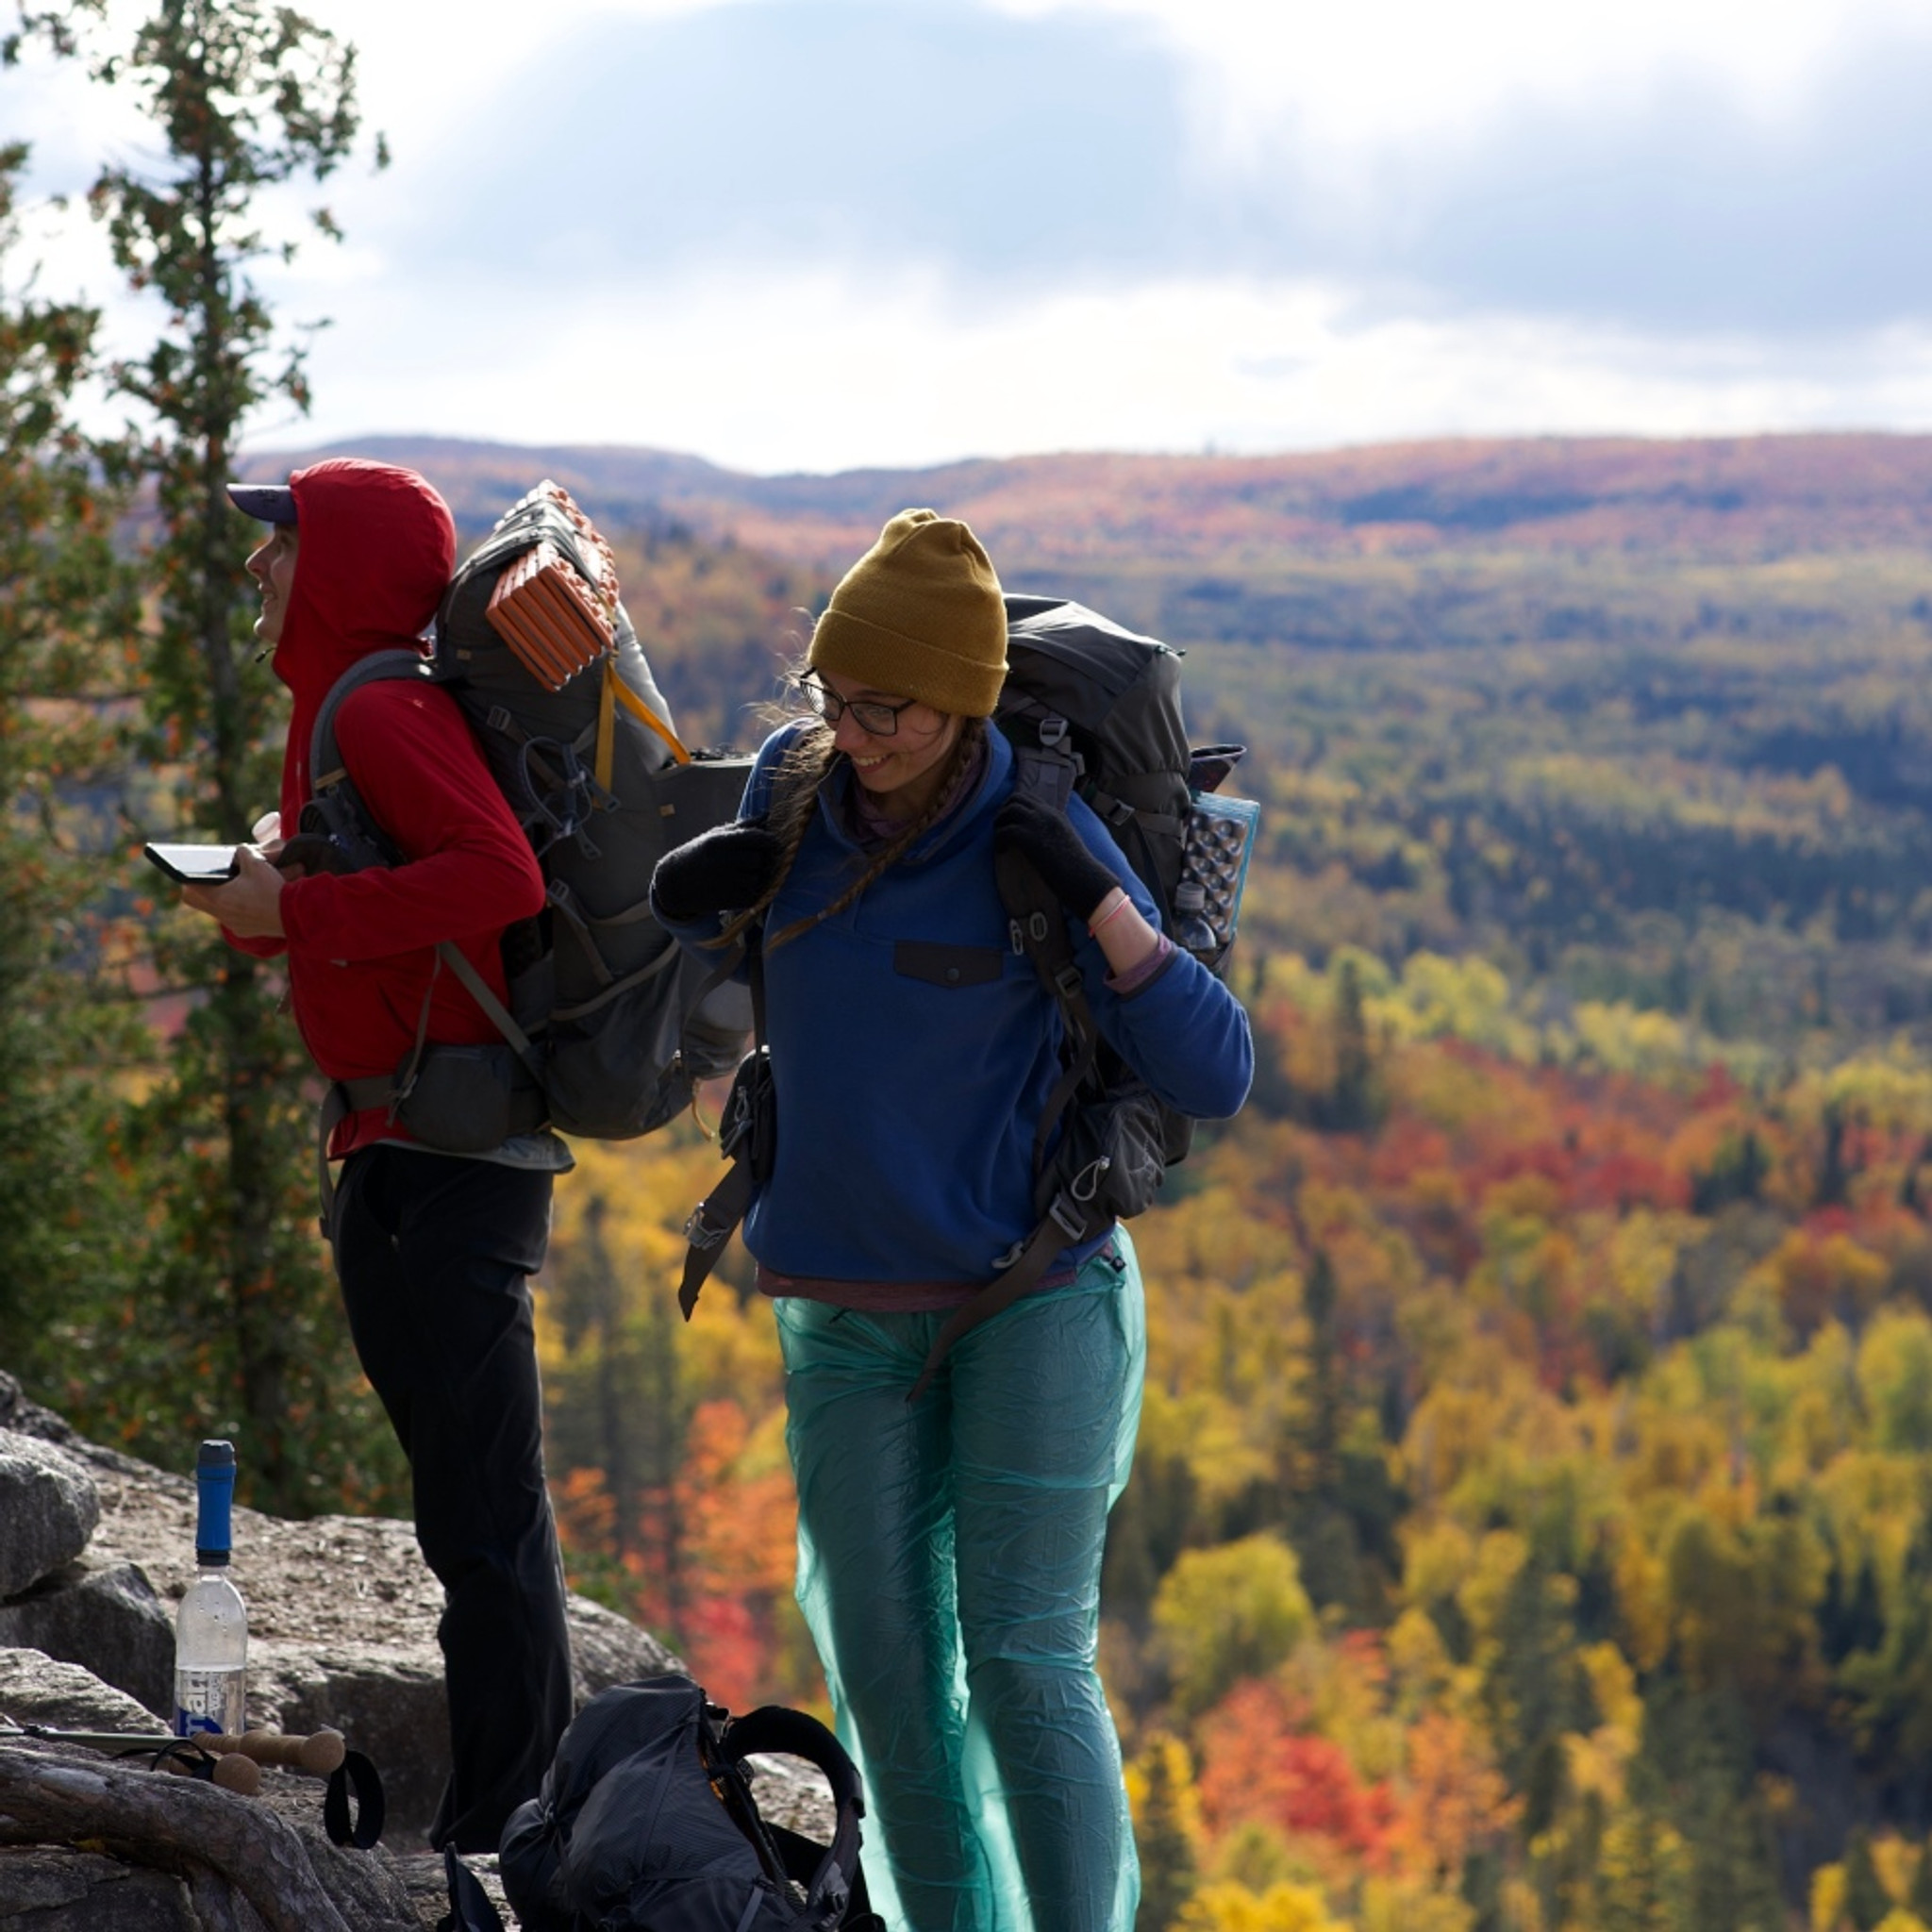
x=815, y=234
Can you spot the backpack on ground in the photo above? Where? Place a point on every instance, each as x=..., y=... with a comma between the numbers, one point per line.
x=646, y=1823
x=610, y=1023
x=1092, y=709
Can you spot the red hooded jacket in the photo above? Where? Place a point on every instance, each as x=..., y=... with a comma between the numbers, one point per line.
x=377, y=548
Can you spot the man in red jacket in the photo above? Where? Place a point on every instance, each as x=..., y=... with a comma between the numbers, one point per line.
x=433, y=1250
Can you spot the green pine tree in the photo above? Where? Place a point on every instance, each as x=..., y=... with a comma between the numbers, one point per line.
x=1867, y=1902
x=1165, y=1835
x=247, y=1333
x=1919, y=1899
x=64, y=606
x=1697, y=1753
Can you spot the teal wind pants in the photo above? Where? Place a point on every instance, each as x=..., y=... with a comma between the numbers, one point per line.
x=949, y=1567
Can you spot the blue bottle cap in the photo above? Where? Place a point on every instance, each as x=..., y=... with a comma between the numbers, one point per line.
x=214, y=1485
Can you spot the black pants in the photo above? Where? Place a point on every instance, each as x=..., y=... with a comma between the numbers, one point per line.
x=434, y=1255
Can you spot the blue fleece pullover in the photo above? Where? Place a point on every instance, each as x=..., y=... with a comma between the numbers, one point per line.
x=913, y=1051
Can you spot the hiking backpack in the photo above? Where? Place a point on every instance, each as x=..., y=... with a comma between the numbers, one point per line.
x=610, y=1023
x=1089, y=707
x=646, y=1823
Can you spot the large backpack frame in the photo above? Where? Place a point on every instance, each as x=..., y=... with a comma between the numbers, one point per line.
x=609, y=1025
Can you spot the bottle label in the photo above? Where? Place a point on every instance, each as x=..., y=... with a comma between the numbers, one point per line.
x=210, y=1701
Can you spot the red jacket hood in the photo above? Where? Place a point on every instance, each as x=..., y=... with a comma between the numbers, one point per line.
x=376, y=549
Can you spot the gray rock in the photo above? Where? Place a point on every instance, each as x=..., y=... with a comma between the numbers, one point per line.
x=51, y=1889
x=792, y=1792
x=27, y=1418
x=367, y=1887
x=40, y=1689
x=341, y=1624
x=103, y=1615
x=607, y=1649
x=342, y=1618
x=388, y=1698
x=48, y=1509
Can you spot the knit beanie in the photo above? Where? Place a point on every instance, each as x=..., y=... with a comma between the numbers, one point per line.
x=919, y=615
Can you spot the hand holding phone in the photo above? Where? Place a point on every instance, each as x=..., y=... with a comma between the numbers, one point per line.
x=248, y=904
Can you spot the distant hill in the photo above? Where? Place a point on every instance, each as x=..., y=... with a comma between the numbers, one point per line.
x=1739, y=499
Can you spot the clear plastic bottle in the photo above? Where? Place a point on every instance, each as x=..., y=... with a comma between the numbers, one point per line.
x=212, y=1628
x=1190, y=927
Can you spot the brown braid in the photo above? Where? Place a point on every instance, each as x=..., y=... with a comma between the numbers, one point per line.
x=795, y=788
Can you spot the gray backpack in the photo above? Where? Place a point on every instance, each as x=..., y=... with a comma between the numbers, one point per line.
x=610, y=1023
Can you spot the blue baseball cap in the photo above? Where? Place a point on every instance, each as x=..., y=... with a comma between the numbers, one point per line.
x=267, y=502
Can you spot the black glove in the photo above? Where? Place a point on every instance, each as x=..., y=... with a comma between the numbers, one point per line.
x=723, y=870
x=1038, y=832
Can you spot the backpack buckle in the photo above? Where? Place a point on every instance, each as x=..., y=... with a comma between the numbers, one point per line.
x=1067, y=981
x=699, y=1232
x=1052, y=731
x=1067, y=1216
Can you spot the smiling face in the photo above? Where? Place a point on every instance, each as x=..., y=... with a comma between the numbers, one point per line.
x=271, y=564
x=901, y=771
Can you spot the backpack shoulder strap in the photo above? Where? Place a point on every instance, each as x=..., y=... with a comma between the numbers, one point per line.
x=359, y=839
x=329, y=778
x=1037, y=923
x=829, y=1884
x=743, y=1133
x=379, y=667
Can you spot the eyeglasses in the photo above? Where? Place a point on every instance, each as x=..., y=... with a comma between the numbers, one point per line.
x=870, y=714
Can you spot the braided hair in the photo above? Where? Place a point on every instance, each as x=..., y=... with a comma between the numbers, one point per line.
x=808, y=762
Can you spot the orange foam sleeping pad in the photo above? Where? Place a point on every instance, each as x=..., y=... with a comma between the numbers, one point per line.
x=545, y=612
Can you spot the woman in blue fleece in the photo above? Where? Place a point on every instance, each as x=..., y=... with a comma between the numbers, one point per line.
x=949, y=1546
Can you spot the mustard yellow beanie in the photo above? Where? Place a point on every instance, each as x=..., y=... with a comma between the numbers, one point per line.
x=919, y=615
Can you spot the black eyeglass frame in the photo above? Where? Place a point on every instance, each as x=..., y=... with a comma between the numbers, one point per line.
x=873, y=715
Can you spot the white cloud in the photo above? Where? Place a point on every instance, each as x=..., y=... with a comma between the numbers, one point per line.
x=1389, y=70
x=1403, y=243
x=809, y=373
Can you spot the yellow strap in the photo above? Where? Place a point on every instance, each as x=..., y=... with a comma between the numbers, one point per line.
x=642, y=712
x=606, y=725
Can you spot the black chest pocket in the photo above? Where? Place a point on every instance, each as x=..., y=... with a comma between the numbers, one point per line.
x=948, y=966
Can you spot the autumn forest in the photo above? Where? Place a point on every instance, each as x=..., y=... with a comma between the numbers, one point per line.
x=1532, y=1524
x=1531, y=1529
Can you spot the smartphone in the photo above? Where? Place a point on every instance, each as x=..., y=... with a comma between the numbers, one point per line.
x=193, y=865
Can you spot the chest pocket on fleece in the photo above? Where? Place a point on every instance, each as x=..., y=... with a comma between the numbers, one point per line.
x=948, y=966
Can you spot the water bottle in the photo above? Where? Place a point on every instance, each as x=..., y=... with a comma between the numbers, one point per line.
x=211, y=1630
x=1190, y=927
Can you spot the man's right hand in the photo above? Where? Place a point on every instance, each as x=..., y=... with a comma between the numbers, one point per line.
x=723, y=870
x=250, y=904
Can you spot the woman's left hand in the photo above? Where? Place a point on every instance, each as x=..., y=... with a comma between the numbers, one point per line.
x=1039, y=833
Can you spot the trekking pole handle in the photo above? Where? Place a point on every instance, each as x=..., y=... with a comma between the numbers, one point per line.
x=319, y=1753
x=232, y=1771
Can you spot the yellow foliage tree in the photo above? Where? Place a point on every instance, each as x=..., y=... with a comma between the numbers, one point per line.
x=1228, y=1908
x=1234, y=1611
